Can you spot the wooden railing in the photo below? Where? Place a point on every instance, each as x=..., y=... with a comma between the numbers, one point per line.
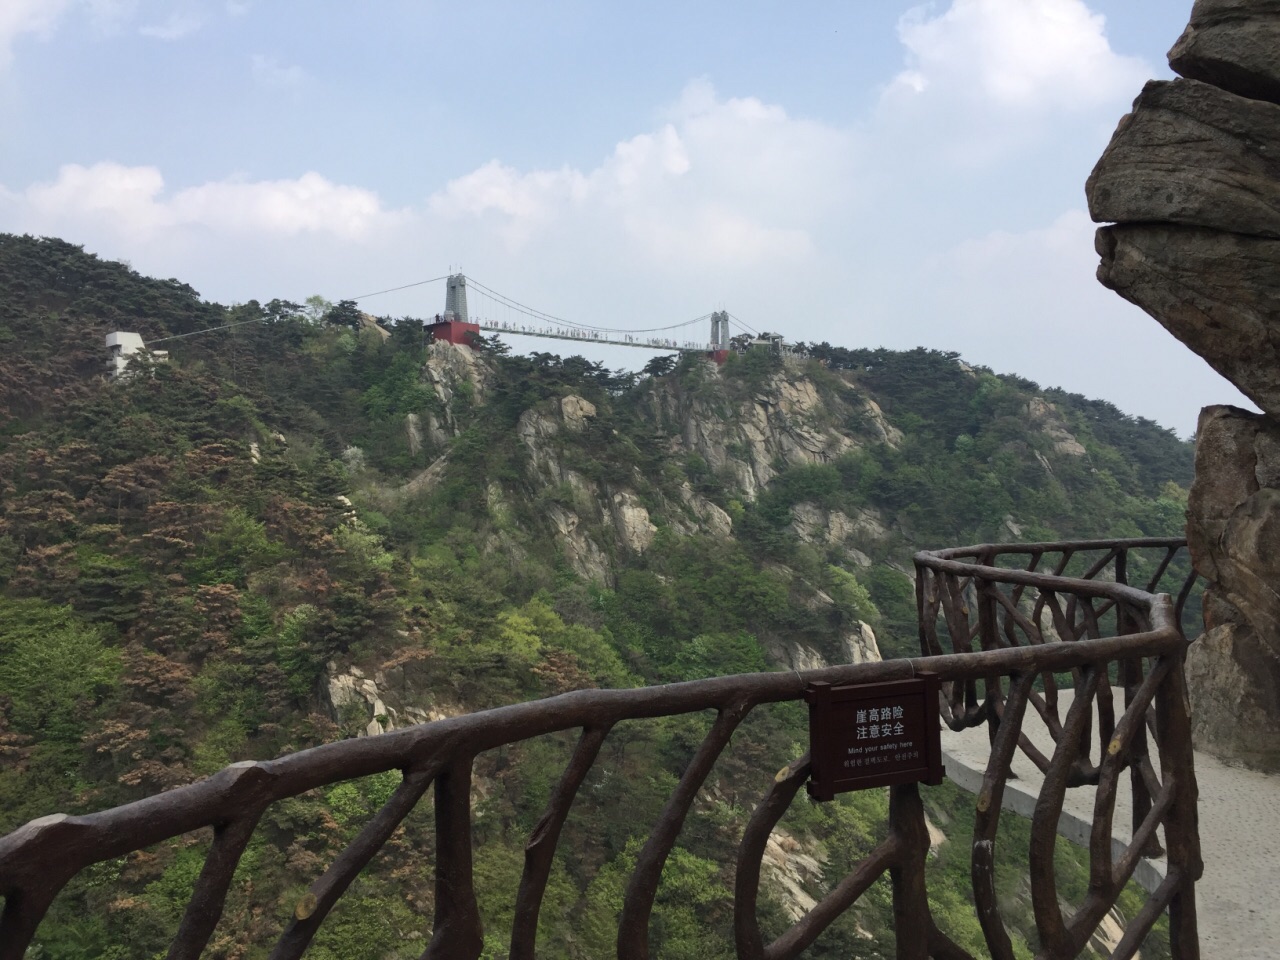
x=1016, y=597
x=1003, y=656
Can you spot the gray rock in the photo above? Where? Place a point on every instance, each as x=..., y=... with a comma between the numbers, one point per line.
x=631, y=521
x=1219, y=293
x=413, y=432
x=1190, y=153
x=1233, y=680
x=1232, y=44
x=1225, y=478
x=1233, y=532
x=575, y=411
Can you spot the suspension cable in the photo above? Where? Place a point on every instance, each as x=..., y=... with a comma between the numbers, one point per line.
x=545, y=317
x=378, y=293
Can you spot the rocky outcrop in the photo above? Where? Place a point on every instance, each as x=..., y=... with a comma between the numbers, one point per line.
x=711, y=518
x=791, y=870
x=413, y=432
x=812, y=524
x=586, y=556
x=1232, y=44
x=1233, y=532
x=1191, y=153
x=458, y=378
x=590, y=507
x=1190, y=185
x=785, y=422
x=386, y=701
x=1049, y=421
x=1218, y=292
x=857, y=645
x=860, y=645
x=1234, y=681
x=631, y=521
x=575, y=412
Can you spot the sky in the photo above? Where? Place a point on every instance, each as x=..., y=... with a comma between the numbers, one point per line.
x=869, y=174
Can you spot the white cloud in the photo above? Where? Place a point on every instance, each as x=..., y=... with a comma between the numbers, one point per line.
x=309, y=204
x=132, y=202
x=27, y=16
x=523, y=200
x=1016, y=54
x=269, y=72
x=726, y=182
x=178, y=25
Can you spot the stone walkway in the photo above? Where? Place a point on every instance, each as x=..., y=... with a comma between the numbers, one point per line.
x=1238, y=898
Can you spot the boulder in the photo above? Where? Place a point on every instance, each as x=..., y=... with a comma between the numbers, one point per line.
x=1234, y=528
x=631, y=522
x=1232, y=44
x=1233, y=533
x=1233, y=679
x=1217, y=292
x=575, y=411
x=1191, y=153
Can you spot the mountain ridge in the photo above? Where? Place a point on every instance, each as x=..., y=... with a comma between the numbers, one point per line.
x=295, y=531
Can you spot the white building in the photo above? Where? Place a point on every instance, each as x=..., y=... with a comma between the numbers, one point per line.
x=122, y=346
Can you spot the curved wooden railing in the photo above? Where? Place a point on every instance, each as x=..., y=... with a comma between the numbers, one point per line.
x=992, y=618
x=1015, y=596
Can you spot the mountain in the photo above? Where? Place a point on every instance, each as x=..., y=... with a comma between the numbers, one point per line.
x=306, y=525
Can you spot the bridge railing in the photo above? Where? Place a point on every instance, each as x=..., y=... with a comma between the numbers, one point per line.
x=1013, y=663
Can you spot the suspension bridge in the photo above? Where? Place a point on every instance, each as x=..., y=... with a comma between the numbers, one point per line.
x=492, y=312
x=500, y=314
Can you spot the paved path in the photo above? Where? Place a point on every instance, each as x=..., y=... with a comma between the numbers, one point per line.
x=1239, y=895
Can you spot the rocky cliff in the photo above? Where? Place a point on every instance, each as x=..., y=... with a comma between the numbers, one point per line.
x=598, y=519
x=1190, y=188
x=795, y=462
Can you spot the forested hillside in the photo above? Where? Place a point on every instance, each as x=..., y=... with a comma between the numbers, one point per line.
x=298, y=530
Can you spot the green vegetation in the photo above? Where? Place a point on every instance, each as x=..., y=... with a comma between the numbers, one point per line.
x=190, y=554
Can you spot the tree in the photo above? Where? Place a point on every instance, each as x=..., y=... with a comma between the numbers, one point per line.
x=317, y=308
x=52, y=668
x=661, y=366
x=344, y=314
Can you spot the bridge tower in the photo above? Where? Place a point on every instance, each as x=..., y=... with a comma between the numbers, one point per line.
x=720, y=330
x=455, y=299
x=719, y=336
x=453, y=326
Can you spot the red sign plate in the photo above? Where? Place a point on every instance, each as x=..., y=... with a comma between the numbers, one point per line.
x=873, y=735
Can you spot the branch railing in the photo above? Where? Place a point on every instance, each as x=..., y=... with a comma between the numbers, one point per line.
x=1001, y=597
x=1013, y=663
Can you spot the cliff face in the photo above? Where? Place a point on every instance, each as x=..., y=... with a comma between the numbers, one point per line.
x=705, y=450
x=1190, y=185
x=599, y=523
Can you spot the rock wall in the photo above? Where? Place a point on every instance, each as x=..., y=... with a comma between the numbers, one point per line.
x=786, y=421
x=1233, y=531
x=1190, y=188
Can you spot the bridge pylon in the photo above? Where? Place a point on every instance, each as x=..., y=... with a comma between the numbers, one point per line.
x=720, y=330
x=455, y=299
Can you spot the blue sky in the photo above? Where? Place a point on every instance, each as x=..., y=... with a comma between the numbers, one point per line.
x=868, y=174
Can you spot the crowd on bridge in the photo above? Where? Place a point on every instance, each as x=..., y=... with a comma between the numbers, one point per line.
x=602, y=336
